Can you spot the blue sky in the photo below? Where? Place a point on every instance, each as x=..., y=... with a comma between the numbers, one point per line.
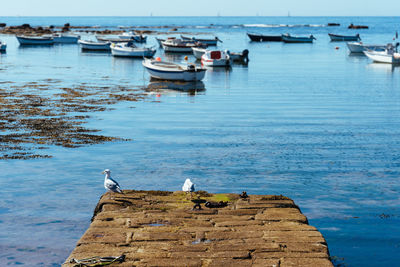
x=199, y=8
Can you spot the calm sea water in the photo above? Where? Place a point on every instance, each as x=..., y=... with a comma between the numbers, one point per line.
x=305, y=120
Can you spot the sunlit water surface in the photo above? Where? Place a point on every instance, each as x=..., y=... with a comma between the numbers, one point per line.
x=308, y=121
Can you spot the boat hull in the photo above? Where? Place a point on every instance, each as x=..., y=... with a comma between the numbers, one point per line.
x=356, y=47
x=342, y=38
x=177, y=49
x=173, y=73
x=66, y=39
x=383, y=57
x=35, y=40
x=292, y=39
x=91, y=46
x=132, y=52
x=198, y=52
x=264, y=38
x=209, y=42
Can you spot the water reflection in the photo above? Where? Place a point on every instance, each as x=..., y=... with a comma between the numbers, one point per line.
x=95, y=52
x=161, y=86
x=174, y=57
x=390, y=68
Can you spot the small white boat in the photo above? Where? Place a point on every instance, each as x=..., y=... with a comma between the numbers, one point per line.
x=359, y=47
x=215, y=58
x=171, y=71
x=3, y=46
x=94, y=46
x=66, y=38
x=179, y=46
x=160, y=40
x=210, y=41
x=35, y=40
x=131, y=50
x=133, y=36
x=198, y=52
x=390, y=55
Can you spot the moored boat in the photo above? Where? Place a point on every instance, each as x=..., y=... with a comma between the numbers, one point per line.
x=94, y=46
x=198, y=52
x=215, y=58
x=35, y=40
x=210, y=41
x=239, y=56
x=338, y=38
x=287, y=38
x=390, y=55
x=171, y=71
x=352, y=26
x=3, y=46
x=131, y=50
x=160, y=40
x=179, y=46
x=132, y=36
x=66, y=38
x=264, y=38
x=359, y=47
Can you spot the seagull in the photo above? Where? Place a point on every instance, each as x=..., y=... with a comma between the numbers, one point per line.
x=109, y=183
x=188, y=187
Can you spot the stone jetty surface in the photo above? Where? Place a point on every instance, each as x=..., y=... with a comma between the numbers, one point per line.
x=159, y=228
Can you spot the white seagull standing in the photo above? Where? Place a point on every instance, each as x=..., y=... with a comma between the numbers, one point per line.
x=109, y=183
x=188, y=187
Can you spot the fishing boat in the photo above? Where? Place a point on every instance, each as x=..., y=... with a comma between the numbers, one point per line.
x=390, y=55
x=359, y=47
x=239, y=56
x=198, y=52
x=160, y=40
x=131, y=36
x=287, y=38
x=347, y=38
x=264, y=38
x=352, y=26
x=210, y=42
x=215, y=58
x=131, y=50
x=35, y=40
x=3, y=46
x=171, y=71
x=180, y=46
x=94, y=46
x=66, y=38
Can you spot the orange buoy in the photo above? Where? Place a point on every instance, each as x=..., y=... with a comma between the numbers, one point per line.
x=158, y=59
x=337, y=47
x=186, y=58
x=158, y=95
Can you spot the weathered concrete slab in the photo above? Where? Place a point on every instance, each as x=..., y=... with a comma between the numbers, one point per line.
x=158, y=228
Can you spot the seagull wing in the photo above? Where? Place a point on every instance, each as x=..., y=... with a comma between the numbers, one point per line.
x=112, y=185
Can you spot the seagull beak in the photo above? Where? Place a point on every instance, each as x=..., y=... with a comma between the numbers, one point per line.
x=103, y=172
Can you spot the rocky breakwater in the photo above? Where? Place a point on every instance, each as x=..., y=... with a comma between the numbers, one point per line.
x=158, y=228
x=25, y=29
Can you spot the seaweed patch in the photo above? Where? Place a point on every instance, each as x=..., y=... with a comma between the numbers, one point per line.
x=37, y=115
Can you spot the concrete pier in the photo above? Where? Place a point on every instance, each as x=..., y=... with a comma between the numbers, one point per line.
x=159, y=228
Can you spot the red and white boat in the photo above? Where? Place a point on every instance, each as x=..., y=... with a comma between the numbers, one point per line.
x=215, y=58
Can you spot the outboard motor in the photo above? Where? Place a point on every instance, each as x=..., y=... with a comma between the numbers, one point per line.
x=245, y=55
